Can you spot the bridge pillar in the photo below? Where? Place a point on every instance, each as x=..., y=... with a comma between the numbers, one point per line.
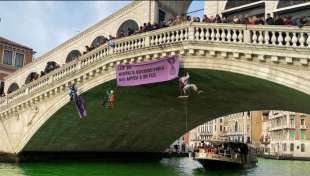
x=247, y=36
x=191, y=32
x=147, y=41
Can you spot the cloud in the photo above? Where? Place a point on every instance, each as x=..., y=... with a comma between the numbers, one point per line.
x=46, y=24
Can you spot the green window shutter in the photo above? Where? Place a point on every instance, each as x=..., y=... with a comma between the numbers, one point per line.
x=302, y=134
x=292, y=135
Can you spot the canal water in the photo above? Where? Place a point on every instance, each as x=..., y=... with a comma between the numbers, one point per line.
x=165, y=167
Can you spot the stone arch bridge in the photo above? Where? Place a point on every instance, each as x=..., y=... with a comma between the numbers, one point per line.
x=240, y=68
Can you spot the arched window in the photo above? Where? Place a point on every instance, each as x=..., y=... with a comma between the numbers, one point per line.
x=73, y=55
x=13, y=87
x=98, y=41
x=32, y=76
x=291, y=147
x=50, y=66
x=127, y=28
x=302, y=148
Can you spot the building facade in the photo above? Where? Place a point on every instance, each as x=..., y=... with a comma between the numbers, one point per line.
x=241, y=127
x=229, y=8
x=289, y=134
x=266, y=134
x=12, y=57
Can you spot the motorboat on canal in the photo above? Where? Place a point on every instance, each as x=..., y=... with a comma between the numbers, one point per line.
x=225, y=154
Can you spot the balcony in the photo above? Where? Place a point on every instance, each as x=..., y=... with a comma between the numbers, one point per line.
x=303, y=127
x=279, y=127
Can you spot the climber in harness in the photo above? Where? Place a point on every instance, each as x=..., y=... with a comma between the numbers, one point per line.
x=185, y=86
x=72, y=92
x=78, y=101
x=109, y=99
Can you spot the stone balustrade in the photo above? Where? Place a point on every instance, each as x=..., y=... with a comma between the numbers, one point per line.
x=267, y=36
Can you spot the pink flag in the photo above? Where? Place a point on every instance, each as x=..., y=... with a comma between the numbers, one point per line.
x=147, y=72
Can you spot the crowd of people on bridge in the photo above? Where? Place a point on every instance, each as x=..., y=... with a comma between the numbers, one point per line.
x=241, y=19
x=255, y=20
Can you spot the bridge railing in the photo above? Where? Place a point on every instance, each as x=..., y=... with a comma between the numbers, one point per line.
x=279, y=36
x=272, y=36
x=219, y=33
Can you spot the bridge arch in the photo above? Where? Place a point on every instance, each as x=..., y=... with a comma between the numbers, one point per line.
x=99, y=40
x=128, y=27
x=74, y=54
x=50, y=66
x=31, y=77
x=217, y=85
x=13, y=87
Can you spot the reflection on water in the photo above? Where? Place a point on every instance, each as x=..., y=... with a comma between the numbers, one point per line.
x=166, y=167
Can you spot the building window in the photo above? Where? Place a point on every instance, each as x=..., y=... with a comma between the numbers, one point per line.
x=284, y=146
x=161, y=15
x=292, y=120
x=302, y=134
x=232, y=3
x=13, y=87
x=292, y=147
x=292, y=135
x=7, y=57
x=302, y=120
x=302, y=148
x=236, y=126
x=19, y=60
x=287, y=3
x=278, y=122
x=221, y=128
x=1, y=87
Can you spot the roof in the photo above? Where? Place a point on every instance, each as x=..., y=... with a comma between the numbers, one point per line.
x=9, y=42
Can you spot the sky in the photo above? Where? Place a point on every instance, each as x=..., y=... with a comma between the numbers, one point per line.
x=43, y=25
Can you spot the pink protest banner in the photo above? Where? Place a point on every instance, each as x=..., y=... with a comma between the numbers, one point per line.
x=147, y=72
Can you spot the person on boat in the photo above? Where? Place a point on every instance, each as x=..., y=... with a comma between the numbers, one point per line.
x=185, y=85
x=72, y=92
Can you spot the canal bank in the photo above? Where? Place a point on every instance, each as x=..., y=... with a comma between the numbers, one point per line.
x=164, y=167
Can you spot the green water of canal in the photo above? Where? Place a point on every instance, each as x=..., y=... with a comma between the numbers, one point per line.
x=165, y=167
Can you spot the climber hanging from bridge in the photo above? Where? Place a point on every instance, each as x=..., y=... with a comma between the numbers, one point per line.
x=185, y=86
x=109, y=99
x=77, y=100
x=72, y=92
